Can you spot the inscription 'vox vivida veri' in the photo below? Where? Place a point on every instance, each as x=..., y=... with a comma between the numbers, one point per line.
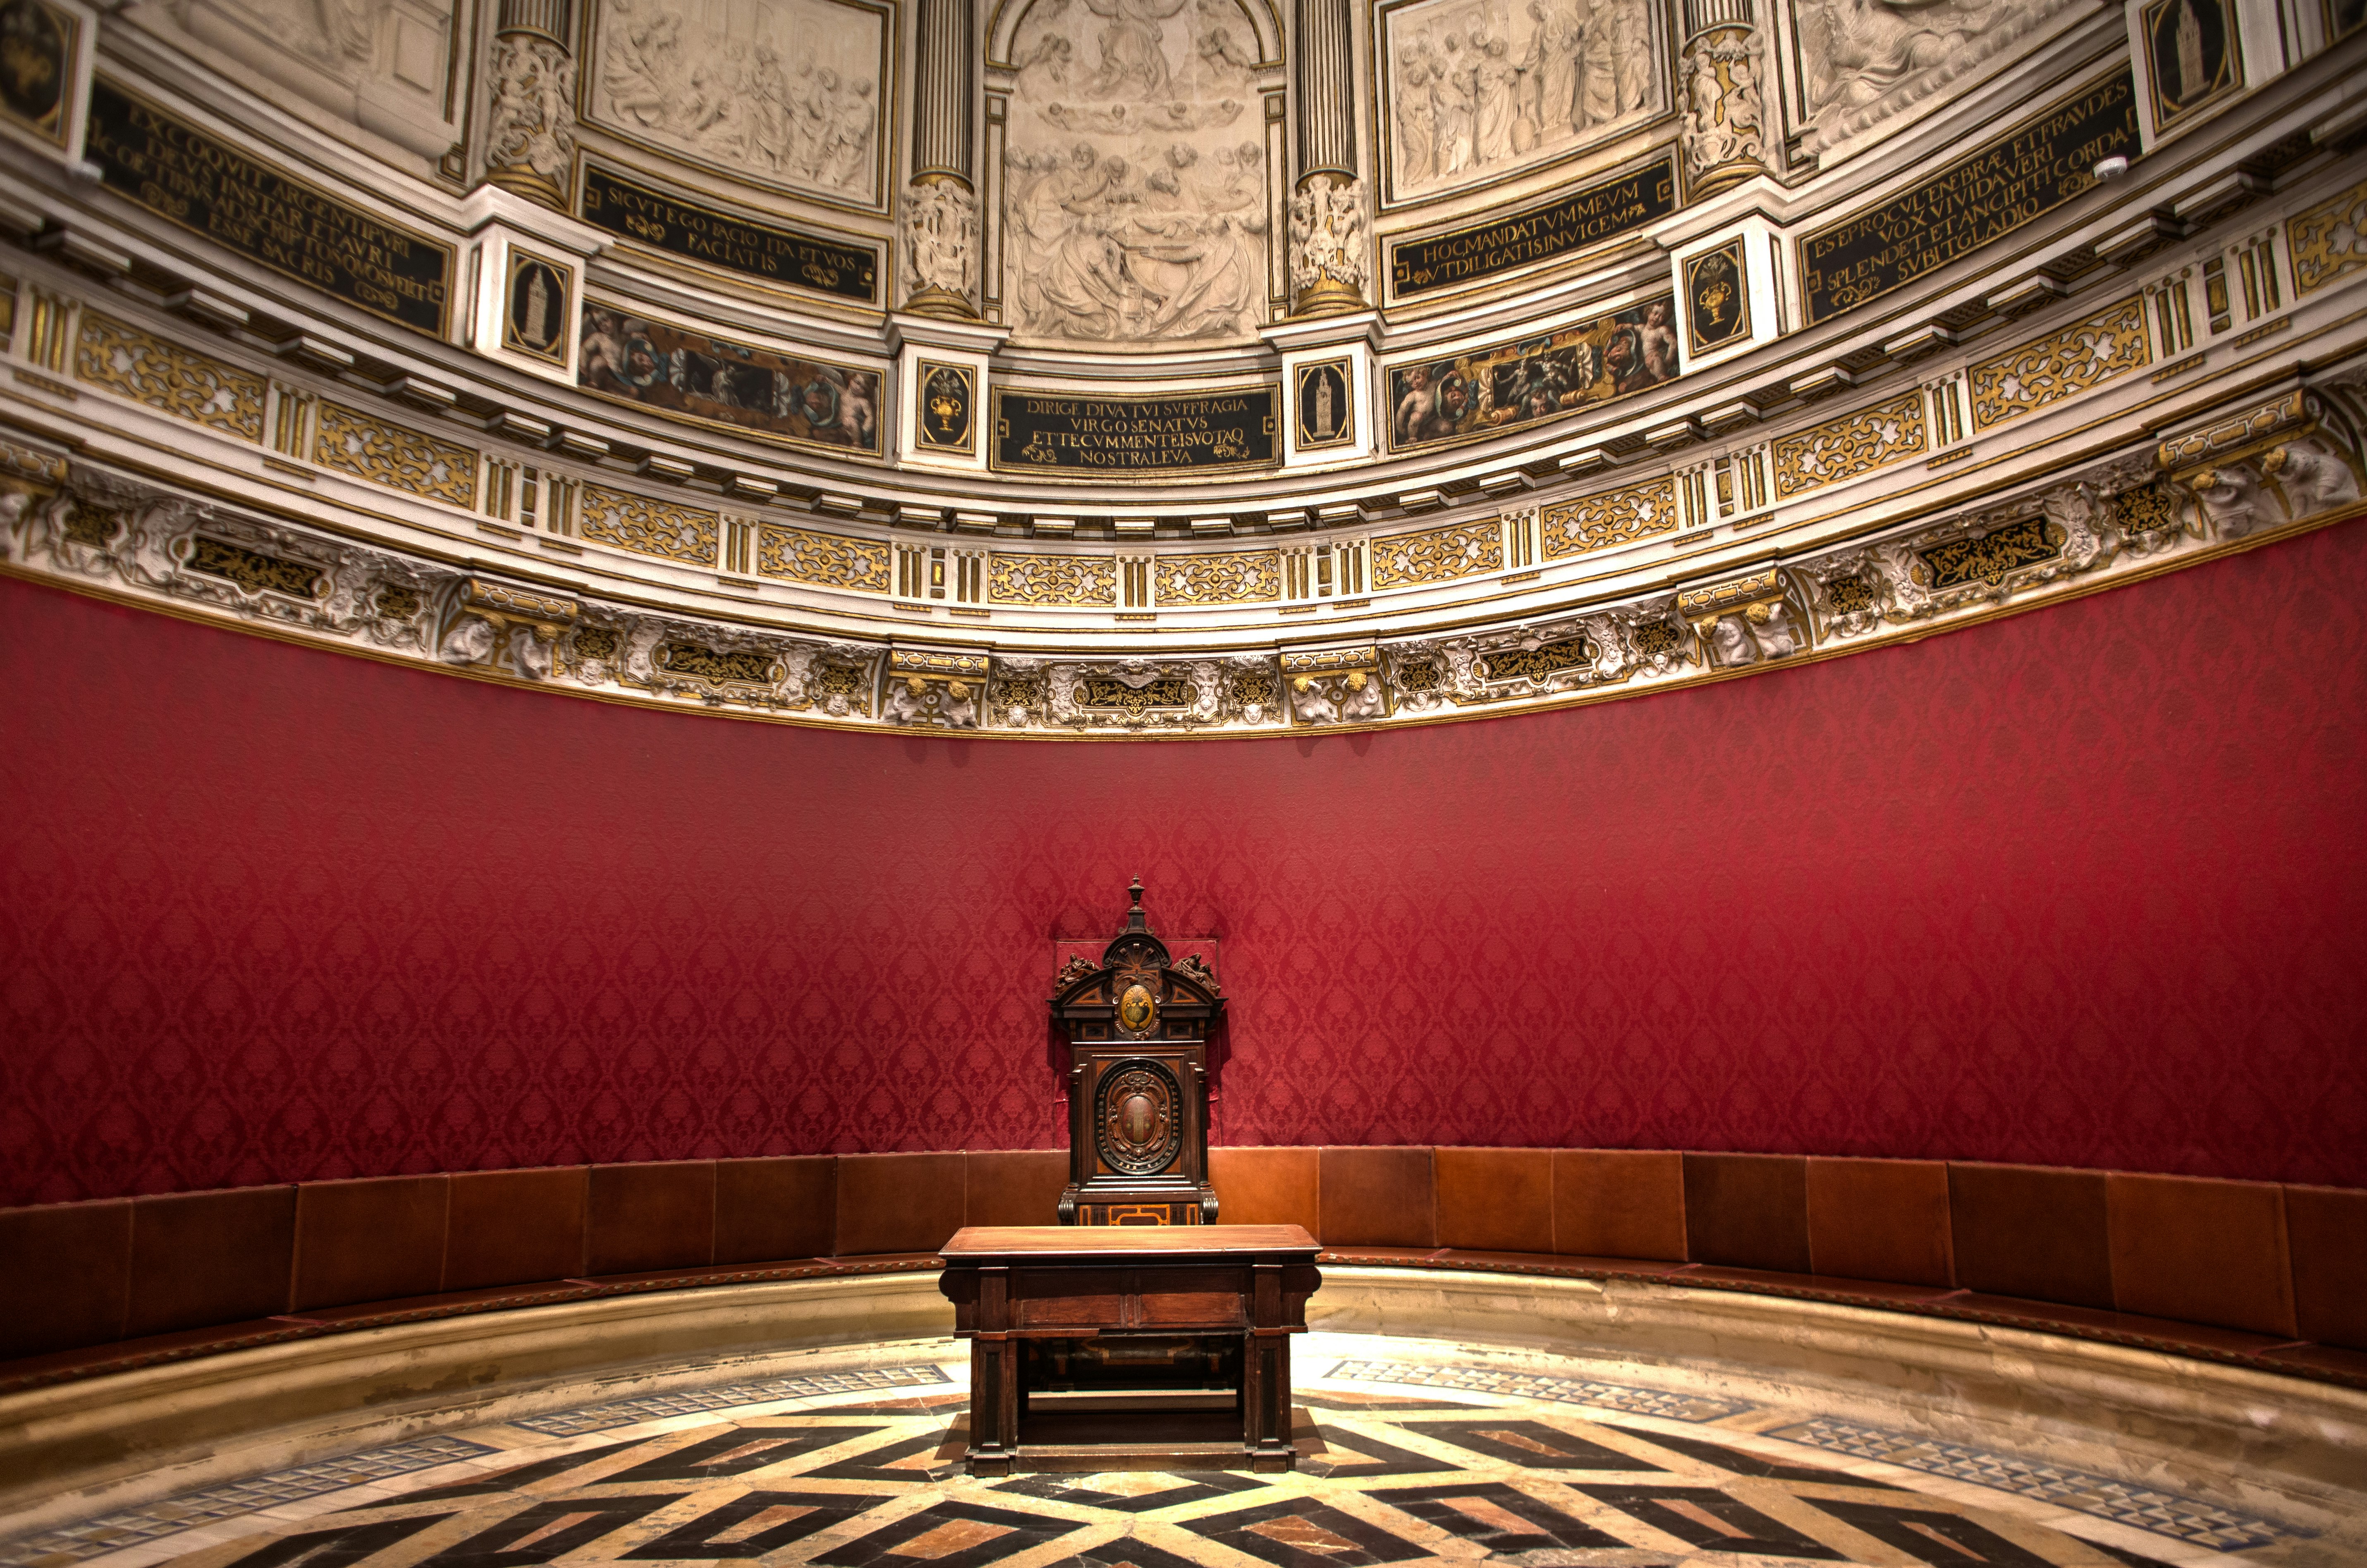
x=2019, y=178
x=1036, y=432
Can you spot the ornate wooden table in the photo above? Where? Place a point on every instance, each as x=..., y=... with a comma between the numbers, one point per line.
x=1099, y=1347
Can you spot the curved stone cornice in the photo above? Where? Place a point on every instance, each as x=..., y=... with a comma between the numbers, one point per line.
x=2050, y=372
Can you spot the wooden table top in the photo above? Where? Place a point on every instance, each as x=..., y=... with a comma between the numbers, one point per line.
x=1060, y=1243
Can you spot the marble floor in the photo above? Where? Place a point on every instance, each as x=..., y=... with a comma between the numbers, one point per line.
x=1408, y=1450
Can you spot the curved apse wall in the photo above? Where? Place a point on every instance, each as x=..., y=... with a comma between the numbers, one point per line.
x=2078, y=887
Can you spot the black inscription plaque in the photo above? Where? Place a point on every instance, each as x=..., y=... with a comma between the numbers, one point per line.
x=1580, y=219
x=179, y=171
x=1205, y=432
x=717, y=239
x=1978, y=198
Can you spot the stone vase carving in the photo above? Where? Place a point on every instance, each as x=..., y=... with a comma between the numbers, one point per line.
x=1330, y=259
x=939, y=230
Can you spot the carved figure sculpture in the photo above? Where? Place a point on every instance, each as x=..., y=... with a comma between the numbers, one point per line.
x=1867, y=61
x=1329, y=257
x=720, y=87
x=1475, y=92
x=941, y=247
x=531, y=141
x=2313, y=477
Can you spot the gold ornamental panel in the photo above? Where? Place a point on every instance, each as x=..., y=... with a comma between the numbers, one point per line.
x=2328, y=240
x=1853, y=445
x=394, y=456
x=166, y=376
x=1087, y=581
x=1438, y=555
x=1615, y=517
x=1240, y=578
x=649, y=527
x=828, y=561
x=2060, y=365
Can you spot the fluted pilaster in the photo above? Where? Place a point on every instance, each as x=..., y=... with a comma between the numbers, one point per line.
x=941, y=91
x=1327, y=90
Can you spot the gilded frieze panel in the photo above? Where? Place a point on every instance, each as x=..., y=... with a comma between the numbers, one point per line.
x=703, y=379
x=2328, y=240
x=178, y=381
x=1438, y=555
x=394, y=456
x=1237, y=578
x=1085, y=581
x=649, y=527
x=1533, y=380
x=2061, y=365
x=1853, y=445
x=828, y=561
x=1615, y=517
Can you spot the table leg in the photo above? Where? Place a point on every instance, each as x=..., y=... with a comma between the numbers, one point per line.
x=1265, y=1376
x=993, y=1380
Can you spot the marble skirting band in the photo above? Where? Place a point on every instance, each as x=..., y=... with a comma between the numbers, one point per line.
x=1890, y=1387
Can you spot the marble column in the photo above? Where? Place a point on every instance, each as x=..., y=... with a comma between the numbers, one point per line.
x=1330, y=246
x=939, y=223
x=530, y=123
x=1724, y=130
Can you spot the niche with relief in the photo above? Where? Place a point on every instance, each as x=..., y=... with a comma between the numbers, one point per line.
x=789, y=95
x=1138, y=190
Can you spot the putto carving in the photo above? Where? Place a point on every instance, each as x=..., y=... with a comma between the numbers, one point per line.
x=1141, y=695
x=934, y=690
x=939, y=229
x=1136, y=206
x=1480, y=90
x=1328, y=252
x=531, y=139
x=1724, y=135
x=783, y=91
x=1195, y=967
x=1336, y=686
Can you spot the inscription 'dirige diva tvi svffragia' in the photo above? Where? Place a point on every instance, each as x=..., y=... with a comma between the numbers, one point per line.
x=1978, y=198
x=1040, y=432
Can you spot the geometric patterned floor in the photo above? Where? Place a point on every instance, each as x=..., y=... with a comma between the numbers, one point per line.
x=1403, y=1459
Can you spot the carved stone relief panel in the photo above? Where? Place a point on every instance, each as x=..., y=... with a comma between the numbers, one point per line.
x=1137, y=206
x=1865, y=62
x=386, y=65
x=789, y=93
x=1475, y=90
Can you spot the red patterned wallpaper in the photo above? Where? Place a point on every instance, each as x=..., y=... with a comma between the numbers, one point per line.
x=2081, y=887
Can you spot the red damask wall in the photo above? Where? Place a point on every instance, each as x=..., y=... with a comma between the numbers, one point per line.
x=2080, y=888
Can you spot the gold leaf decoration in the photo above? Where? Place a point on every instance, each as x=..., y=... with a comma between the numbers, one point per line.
x=166, y=376
x=649, y=527
x=1051, y=580
x=394, y=456
x=1615, y=517
x=1438, y=555
x=1240, y=578
x=828, y=561
x=2060, y=365
x=1853, y=445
